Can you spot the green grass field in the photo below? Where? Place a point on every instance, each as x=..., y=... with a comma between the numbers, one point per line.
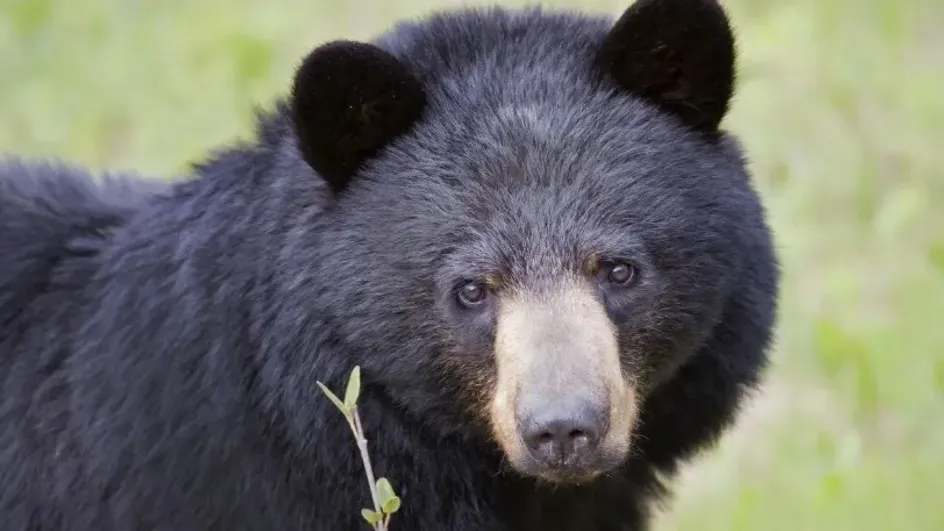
x=841, y=108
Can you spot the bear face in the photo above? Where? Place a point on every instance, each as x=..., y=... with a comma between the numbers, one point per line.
x=536, y=233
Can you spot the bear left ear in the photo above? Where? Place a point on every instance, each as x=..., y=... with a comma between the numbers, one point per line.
x=349, y=100
x=678, y=54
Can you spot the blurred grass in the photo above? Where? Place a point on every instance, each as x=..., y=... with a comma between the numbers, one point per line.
x=841, y=109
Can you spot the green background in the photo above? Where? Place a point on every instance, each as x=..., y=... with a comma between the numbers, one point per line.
x=841, y=108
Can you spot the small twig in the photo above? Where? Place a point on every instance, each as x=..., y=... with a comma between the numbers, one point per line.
x=386, y=501
x=358, y=429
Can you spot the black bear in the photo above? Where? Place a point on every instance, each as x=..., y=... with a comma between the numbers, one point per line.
x=527, y=227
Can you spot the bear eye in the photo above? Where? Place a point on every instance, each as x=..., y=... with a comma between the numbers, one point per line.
x=619, y=273
x=471, y=294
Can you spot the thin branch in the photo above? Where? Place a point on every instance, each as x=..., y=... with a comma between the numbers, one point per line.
x=358, y=429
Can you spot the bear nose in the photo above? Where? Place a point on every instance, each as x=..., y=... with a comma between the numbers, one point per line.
x=564, y=434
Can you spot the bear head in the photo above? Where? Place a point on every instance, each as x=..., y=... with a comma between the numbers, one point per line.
x=535, y=219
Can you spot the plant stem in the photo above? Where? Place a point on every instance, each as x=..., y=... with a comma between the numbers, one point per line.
x=362, y=446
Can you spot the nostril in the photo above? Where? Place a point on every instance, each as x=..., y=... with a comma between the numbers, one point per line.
x=543, y=438
x=561, y=439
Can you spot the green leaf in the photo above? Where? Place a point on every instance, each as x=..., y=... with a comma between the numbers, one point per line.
x=372, y=517
x=334, y=398
x=384, y=491
x=391, y=505
x=353, y=388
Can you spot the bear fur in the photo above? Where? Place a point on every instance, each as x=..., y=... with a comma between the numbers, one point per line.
x=160, y=344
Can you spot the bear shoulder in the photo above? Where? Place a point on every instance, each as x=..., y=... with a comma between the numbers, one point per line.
x=52, y=214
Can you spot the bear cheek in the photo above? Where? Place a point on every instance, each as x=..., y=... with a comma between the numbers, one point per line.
x=562, y=406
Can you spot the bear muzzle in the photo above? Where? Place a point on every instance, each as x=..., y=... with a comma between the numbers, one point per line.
x=562, y=409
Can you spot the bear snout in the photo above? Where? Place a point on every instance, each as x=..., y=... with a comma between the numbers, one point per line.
x=562, y=411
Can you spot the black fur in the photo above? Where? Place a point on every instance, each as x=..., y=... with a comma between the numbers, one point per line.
x=679, y=54
x=159, y=348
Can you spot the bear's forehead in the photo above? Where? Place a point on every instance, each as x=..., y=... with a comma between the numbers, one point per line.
x=523, y=105
x=521, y=147
x=546, y=155
x=530, y=118
x=532, y=171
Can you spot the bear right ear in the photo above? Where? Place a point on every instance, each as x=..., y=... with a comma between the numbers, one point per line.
x=678, y=54
x=349, y=100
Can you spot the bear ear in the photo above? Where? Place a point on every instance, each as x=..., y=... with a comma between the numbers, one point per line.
x=678, y=54
x=349, y=100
